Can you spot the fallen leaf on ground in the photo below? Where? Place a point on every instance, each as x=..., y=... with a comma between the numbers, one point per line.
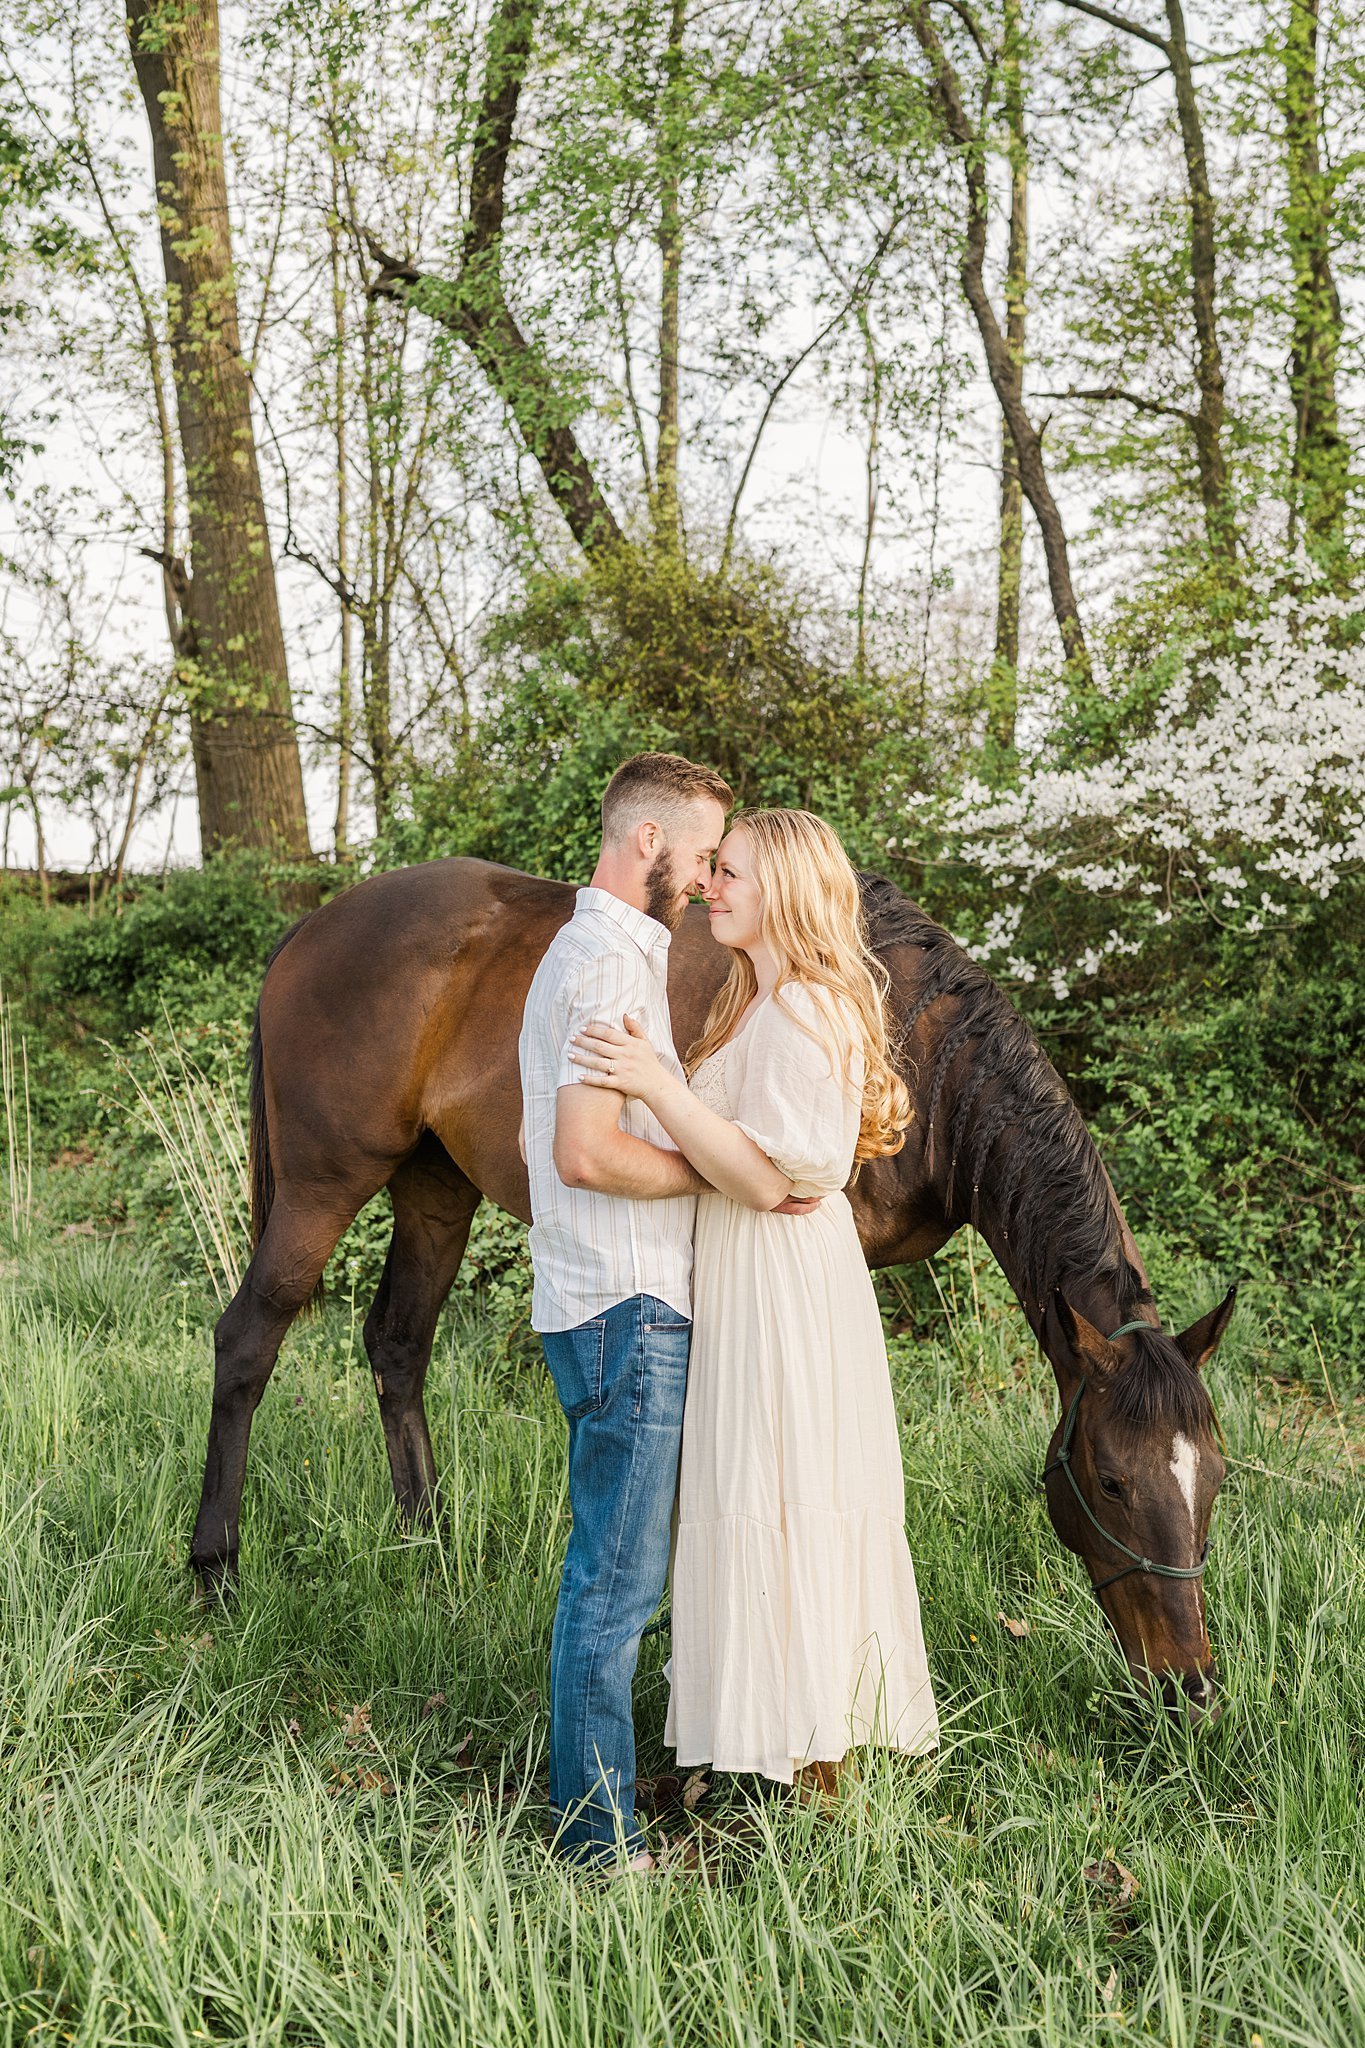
x=355, y=1724
x=1109, y=1987
x=437, y=1699
x=1016, y=1628
x=370, y=1780
x=293, y=1728
x=695, y=1790
x=1112, y=1876
x=364, y=1778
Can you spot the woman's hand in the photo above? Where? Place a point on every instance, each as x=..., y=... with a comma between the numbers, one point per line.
x=624, y=1060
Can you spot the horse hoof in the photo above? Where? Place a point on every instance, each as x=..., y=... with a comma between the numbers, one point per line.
x=216, y=1580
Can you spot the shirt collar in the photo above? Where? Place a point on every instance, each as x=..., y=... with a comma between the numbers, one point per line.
x=647, y=933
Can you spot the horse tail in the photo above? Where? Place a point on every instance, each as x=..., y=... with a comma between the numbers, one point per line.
x=262, y=1173
x=260, y=1170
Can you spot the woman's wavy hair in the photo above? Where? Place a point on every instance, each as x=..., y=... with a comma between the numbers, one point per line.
x=812, y=923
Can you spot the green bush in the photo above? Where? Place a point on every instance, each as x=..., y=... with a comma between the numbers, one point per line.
x=636, y=653
x=1231, y=1118
x=198, y=943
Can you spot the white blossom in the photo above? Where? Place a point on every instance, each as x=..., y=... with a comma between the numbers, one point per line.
x=1253, y=771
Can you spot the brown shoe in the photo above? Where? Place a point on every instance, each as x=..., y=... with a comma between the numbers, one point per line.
x=817, y=1784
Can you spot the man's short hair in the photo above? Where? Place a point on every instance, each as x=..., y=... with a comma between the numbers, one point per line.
x=657, y=786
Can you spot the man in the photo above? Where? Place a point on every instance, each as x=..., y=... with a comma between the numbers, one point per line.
x=614, y=1206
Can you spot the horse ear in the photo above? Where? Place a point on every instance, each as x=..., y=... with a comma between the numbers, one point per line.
x=1202, y=1339
x=1073, y=1344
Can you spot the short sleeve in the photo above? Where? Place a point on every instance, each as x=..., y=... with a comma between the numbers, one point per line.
x=795, y=1106
x=604, y=988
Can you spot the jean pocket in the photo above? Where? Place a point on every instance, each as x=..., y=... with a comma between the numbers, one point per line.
x=575, y=1361
x=661, y=1375
x=659, y=1317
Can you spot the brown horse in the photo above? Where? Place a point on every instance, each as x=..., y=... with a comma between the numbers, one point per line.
x=385, y=1055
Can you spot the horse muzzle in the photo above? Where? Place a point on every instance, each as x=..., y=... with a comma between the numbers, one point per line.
x=1190, y=1696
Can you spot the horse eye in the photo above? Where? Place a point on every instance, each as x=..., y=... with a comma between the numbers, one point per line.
x=1113, y=1487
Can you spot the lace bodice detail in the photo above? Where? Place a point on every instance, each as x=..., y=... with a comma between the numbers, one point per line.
x=708, y=1084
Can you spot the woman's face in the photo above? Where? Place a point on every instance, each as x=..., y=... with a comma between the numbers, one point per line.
x=733, y=899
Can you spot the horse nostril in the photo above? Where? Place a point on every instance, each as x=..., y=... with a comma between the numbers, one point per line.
x=1192, y=1696
x=1204, y=1707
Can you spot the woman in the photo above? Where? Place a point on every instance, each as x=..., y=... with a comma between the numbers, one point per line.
x=796, y=1627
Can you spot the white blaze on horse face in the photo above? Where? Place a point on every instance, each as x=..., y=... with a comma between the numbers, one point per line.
x=1184, y=1466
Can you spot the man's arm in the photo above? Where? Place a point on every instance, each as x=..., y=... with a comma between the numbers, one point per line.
x=592, y=1151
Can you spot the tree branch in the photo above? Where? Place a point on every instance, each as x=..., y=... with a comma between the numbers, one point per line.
x=473, y=306
x=1122, y=23
x=1005, y=373
x=1103, y=393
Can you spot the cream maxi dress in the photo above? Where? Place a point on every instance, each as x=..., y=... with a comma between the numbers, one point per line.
x=796, y=1624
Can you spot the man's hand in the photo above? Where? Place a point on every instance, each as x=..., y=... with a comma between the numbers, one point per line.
x=797, y=1205
x=623, y=1060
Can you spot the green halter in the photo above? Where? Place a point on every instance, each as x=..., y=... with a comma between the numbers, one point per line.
x=1062, y=1463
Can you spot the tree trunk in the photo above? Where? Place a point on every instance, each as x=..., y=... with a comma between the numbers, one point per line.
x=873, y=476
x=246, y=756
x=1207, y=424
x=1209, y=420
x=40, y=848
x=672, y=117
x=1004, y=372
x=375, y=687
x=1321, y=462
x=1002, y=689
x=342, y=829
x=474, y=306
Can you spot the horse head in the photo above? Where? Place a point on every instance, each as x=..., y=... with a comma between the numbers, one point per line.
x=1132, y=1472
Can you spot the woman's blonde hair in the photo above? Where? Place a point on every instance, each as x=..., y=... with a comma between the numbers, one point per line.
x=811, y=921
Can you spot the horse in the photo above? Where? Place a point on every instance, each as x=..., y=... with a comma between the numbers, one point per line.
x=384, y=1054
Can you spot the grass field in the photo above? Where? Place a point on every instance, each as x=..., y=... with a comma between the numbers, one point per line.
x=318, y=1820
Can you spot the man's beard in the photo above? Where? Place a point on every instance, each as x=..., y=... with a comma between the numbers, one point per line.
x=663, y=897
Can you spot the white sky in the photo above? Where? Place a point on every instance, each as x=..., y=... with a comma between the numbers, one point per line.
x=806, y=495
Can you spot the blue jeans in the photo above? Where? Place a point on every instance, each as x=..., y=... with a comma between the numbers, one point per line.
x=621, y=1379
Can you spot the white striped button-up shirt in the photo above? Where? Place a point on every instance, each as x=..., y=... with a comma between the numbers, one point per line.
x=591, y=1250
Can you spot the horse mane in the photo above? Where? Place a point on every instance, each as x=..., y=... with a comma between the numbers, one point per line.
x=1073, y=1237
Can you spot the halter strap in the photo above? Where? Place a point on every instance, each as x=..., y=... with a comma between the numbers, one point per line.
x=1062, y=1463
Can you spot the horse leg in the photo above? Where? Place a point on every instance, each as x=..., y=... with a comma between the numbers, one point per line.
x=295, y=1246
x=433, y=1207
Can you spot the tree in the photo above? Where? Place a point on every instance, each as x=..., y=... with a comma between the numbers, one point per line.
x=231, y=646
x=1002, y=685
x=1006, y=374
x=474, y=304
x=1207, y=422
x=1321, y=457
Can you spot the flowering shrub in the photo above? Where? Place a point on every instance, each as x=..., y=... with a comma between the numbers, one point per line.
x=1241, y=803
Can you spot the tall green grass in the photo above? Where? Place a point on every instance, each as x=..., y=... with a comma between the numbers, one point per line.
x=318, y=1820
x=16, y=1121
x=202, y=1131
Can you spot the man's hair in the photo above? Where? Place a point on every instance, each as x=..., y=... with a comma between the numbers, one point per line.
x=657, y=786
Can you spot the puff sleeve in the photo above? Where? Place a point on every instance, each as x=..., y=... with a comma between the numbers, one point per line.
x=798, y=1109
